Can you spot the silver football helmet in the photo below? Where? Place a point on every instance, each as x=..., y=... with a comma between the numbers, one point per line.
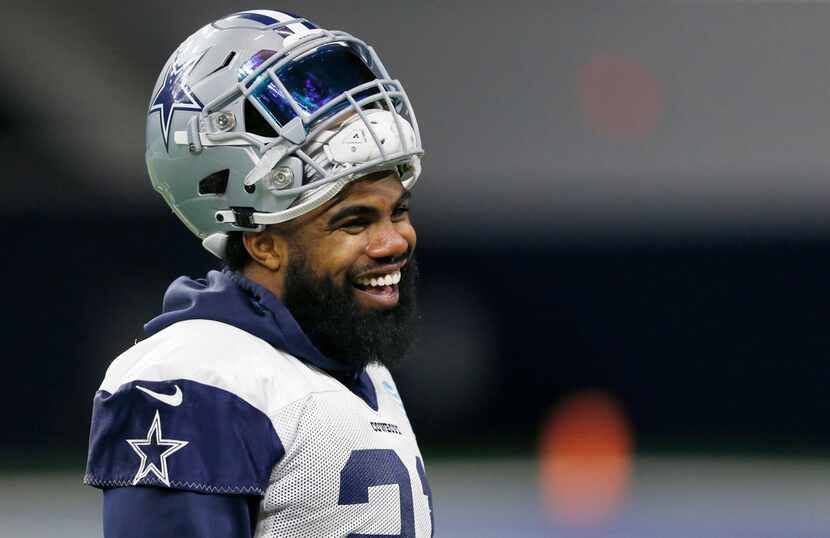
x=261, y=116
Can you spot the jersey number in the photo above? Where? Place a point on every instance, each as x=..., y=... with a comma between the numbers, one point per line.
x=381, y=467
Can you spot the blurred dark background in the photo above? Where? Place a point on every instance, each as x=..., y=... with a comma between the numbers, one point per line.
x=709, y=344
x=630, y=198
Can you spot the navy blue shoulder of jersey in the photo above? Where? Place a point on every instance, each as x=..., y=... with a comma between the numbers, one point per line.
x=161, y=513
x=181, y=435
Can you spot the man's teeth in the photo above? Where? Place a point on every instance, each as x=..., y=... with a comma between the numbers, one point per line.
x=384, y=280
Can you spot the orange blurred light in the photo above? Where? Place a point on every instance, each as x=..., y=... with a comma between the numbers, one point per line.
x=619, y=97
x=585, y=460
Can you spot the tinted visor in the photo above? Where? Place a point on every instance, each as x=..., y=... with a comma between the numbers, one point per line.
x=312, y=80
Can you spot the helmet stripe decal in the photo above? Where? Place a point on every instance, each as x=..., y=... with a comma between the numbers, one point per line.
x=269, y=17
x=293, y=16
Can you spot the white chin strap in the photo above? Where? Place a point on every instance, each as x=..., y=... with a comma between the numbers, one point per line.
x=354, y=143
x=351, y=144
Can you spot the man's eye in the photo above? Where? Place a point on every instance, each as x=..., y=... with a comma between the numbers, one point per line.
x=354, y=226
x=400, y=211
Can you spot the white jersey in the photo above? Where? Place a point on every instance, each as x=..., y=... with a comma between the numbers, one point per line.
x=204, y=406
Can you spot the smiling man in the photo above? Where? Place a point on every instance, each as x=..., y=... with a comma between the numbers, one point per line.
x=259, y=404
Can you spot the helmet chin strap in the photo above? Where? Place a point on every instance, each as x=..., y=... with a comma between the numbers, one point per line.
x=360, y=139
x=372, y=135
x=267, y=163
x=293, y=134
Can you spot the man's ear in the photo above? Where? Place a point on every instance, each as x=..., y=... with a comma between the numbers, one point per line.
x=266, y=248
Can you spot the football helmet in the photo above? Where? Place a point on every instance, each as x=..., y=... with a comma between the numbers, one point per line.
x=262, y=116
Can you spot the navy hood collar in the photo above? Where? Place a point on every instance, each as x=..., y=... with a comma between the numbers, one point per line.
x=230, y=298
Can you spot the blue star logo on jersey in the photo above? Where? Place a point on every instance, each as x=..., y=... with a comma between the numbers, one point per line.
x=174, y=94
x=150, y=446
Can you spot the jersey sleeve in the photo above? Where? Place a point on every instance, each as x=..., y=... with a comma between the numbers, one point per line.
x=180, y=434
x=143, y=511
x=188, y=409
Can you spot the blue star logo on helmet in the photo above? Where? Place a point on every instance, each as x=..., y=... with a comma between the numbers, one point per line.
x=174, y=94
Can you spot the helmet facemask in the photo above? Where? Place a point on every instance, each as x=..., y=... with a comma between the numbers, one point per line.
x=267, y=122
x=335, y=115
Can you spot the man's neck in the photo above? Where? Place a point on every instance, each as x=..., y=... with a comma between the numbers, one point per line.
x=272, y=281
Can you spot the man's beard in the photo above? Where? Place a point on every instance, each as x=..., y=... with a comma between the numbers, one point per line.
x=332, y=319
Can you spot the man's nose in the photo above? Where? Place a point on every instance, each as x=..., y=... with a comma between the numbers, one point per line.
x=388, y=242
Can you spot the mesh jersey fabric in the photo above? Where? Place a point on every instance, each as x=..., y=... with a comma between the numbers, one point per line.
x=326, y=465
x=339, y=443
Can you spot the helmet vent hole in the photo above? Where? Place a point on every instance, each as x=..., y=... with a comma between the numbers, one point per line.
x=216, y=183
x=255, y=123
x=228, y=59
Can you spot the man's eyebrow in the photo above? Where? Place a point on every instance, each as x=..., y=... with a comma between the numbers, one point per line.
x=351, y=211
x=364, y=210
